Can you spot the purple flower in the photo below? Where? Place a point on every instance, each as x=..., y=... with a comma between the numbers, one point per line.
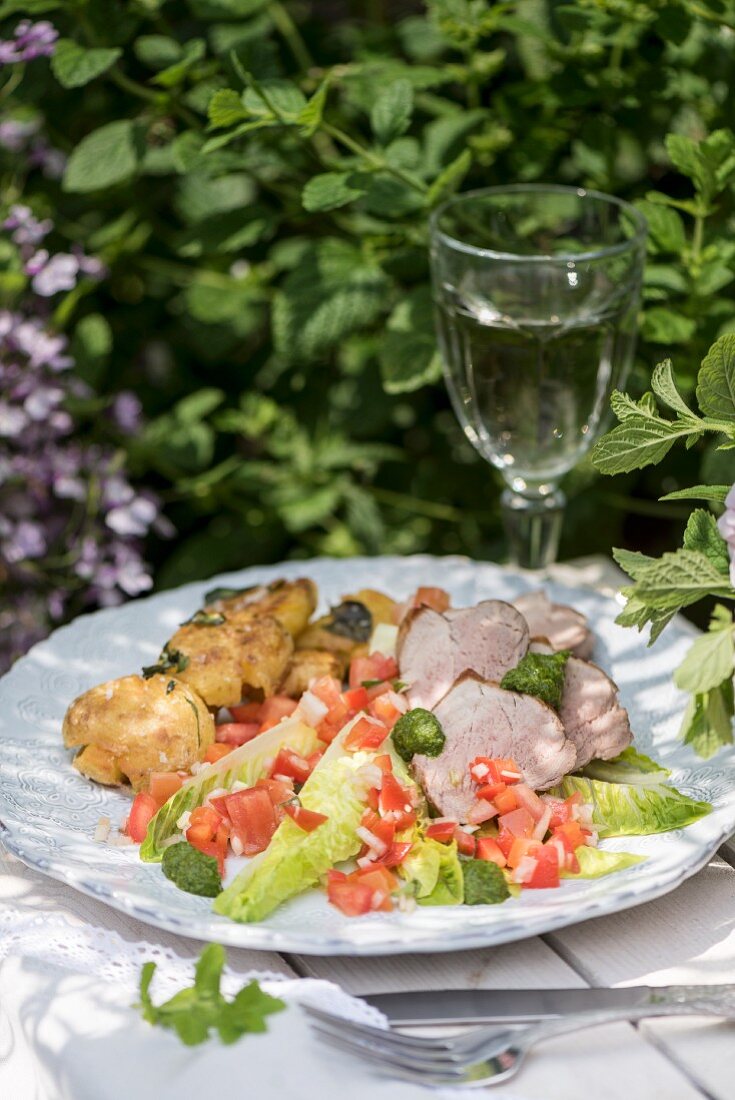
x=34, y=40
x=51, y=161
x=14, y=133
x=42, y=348
x=12, y=420
x=60, y=273
x=43, y=401
x=126, y=412
x=26, y=541
x=27, y=229
x=134, y=518
x=726, y=527
x=37, y=262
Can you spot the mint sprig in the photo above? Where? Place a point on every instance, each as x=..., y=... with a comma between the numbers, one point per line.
x=193, y=1013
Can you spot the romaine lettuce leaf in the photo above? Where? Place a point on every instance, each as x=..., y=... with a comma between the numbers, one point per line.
x=629, y=809
x=247, y=764
x=629, y=767
x=295, y=860
x=596, y=862
x=435, y=872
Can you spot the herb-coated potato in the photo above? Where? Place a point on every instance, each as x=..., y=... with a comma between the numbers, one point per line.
x=308, y=665
x=291, y=603
x=226, y=662
x=346, y=629
x=131, y=727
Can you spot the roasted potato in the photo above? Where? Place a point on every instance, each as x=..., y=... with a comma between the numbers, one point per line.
x=291, y=603
x=226, y=661
x=133, y=726
x=307, y=665
x=346, y=629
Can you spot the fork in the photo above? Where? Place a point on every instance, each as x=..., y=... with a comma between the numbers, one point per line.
x=488, y=1056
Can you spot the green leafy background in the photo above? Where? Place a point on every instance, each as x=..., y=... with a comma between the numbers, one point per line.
x=257, y=175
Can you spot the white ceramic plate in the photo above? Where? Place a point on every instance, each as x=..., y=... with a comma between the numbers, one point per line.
x=48, y=812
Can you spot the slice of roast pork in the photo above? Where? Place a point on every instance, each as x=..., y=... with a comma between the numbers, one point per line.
x=591, y=713
x=564, y=627
x=481, y=719
x=435, y=649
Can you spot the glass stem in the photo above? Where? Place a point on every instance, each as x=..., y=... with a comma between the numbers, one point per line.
x=532, y=527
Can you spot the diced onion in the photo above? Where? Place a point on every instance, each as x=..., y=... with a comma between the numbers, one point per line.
x=479, y=771
x=216, y=793
x=184, y=821
x=120, y=841
x=400, y=702
x=236, y=843
x=482, y=811
x=525, y=869
x=542, y=825
x=511, y=775
x=365, y=861
x=171, y=840
x=383, y=640
x=102, y=831
x=374, y=842
x=312, y=709
x=377, y=899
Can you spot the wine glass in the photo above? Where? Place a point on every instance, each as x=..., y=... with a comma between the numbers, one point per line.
x=536, y=292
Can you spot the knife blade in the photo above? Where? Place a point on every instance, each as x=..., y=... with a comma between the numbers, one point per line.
x=516, y=1006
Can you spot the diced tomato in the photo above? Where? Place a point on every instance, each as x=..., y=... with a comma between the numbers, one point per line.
x=253, y=818
x=206, y=817
x=143, y=810
x=328, y=730
x=247, y=712
x=529, y=800
x=334, y=720
x=314, y=758
x=520, y=848
x=491, y=791
x=356, y=699
x=353, y=898
x=382, y=883
x=308, y=820
x=442, y=831
x=384, y=709
x=384, y=831
x=396, y=853
x=518, y=822
x=274, y=710
x=571, y=834
x=466, y=842
x=499, y=770
x=214, y=845
x=373, y=798
x=163, y=785
x=562, y=810
x=481, y=812
x=293, y=765
x=366, y=734
x=546, y=873
x=279, y=790
x=374, y=667
x=436, y=598
x=376, y=690
x=395, y=800
x=567, y=855
x=384, y=762
x=506, y=801
x=216, y=751
x=504, y=840
x=236, y=733
x=489, y=849
x=328, y=690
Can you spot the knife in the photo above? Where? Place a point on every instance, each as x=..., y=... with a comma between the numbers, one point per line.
x=514, y=1006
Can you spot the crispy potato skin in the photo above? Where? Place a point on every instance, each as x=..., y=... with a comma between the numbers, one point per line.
x=291, y=603
x=307, y=665
x=318, y=636
x=131, y=727
x=230, y=661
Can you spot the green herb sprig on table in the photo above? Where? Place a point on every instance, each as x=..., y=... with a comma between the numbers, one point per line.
x=195, y=1012
x=701, y=567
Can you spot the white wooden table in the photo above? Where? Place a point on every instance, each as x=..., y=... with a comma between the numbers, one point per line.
x=686, y=937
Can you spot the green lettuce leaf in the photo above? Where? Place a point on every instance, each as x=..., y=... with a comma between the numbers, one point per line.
x=247, y=764
x=629, y=809
x=295, y=860
x=629, y=767
x=596, y=862
x=435, y=872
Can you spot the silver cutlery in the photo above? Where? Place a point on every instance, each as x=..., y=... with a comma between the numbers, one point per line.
x=487, y=1055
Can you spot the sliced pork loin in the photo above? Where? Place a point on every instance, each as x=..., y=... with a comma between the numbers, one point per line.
x=481, y=719
x=564, y=627
x=435, y=649
x=591, y=713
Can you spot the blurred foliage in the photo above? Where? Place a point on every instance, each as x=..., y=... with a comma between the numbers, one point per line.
x=257, y=176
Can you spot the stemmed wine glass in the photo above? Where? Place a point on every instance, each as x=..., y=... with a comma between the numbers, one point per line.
x=536, y=291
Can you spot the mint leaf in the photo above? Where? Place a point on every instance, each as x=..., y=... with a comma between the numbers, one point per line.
x=192, y=52
x=711, y=659
x=310, y=116
x=279, y=98
x=449, y=181
x=194, y=1012
x=408, y=355
x=664, y=386
x=73, y=66
x=641, y=440
x=663, y=326
x=391, y=113
x=702, y=534
x=157, y=51
x=707, y=722
x=715, y=493
x=678, y=579
x=105, y=157
x=225, y=108
x=716, y=380
x=665, y=226
x=329, y=191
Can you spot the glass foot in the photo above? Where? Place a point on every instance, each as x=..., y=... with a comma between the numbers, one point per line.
x=532, y=527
